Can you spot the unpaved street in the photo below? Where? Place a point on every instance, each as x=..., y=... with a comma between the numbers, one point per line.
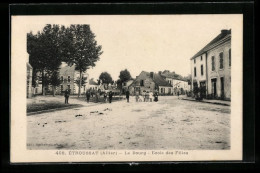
x=167, y=124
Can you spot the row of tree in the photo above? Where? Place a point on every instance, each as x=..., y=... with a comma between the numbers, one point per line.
x=75, y=45
x=106, y=79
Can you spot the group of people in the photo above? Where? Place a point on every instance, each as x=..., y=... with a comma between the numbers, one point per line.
x=146, y=96
x=108, y=95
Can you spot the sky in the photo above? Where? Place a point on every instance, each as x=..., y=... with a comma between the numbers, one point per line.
x=144, y=42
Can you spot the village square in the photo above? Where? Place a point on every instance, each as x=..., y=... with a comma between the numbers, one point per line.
x=69, y=108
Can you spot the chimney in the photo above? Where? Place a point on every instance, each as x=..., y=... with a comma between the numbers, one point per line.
x=224, y=31
x=160, y=72
x=151, y=75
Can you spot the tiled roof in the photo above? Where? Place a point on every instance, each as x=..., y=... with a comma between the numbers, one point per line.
x=210, y=44
x=157, y=78
x=172, y=75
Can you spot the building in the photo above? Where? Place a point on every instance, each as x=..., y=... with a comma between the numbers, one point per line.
x=211, y=67
x=69, y=77
x=126, y=84
x=92, y=85
x=29, y=89
x=179, y=84
x=150, y=82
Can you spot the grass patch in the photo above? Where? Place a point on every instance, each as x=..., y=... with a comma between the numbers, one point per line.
x=101, y=99
x=46, y=106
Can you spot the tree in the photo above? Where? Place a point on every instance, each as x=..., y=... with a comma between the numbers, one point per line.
x=55, y=81
x=105, y=78
x=119, y=84
x=79, y=47
x=124, y=75
x=44, y=52
x=81, y=83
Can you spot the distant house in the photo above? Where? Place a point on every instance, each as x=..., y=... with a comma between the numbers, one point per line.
x=92, y=85
x=126, y=84
x=150, y=82
x=69, y=76
x=178, y=83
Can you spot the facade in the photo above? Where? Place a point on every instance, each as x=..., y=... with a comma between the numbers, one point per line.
x=29, y=89
x=92, y=85
x=68, y=76
x=178, y=83
x=150, y=82
x=211, y=67
x=126, y=84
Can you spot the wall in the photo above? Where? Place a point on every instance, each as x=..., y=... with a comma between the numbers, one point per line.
x=218, y=73
x=199, y=78
x=149, y=84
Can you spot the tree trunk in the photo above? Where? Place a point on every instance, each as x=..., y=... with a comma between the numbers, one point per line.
x=43, y=87
x=53, y=91
x=80, y=76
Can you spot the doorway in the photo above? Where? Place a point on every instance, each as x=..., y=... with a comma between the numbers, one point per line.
x=214, y=87
x=222, y=87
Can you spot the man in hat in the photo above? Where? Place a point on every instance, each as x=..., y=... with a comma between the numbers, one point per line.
x=127, y=95
x=110, y=96
x=67, y=95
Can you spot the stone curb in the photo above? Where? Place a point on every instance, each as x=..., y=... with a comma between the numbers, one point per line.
x=216, y=103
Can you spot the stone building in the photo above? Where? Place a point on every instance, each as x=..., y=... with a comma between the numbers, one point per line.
x=179, y=84
x=29, y=89
x=126, y=84
x=69, y=76
x=211, y=67
x=150, y=82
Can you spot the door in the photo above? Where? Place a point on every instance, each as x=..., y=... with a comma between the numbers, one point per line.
x=214, y=87
x=203, y=89
x=222, y=87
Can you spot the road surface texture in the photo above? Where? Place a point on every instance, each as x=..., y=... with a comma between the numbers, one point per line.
x=168, y=124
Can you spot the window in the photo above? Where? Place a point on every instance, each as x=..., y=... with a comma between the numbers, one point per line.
x=195, y=72
x=61, y=78
x=229, y=57
x=169, y=90
x=221, y=61
x=61, y=88
x=194, y=60
x=201, y=58
x=68, y=87
x=161, y=90
x=68, y=79
x=213, y=63
x=201, y=70
x=142, y=83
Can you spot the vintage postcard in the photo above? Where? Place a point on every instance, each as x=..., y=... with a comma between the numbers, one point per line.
x=126, y=88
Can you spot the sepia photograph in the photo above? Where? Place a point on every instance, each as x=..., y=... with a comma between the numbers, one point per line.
x=126, y=87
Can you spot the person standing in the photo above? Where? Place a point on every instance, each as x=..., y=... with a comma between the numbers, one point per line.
x=151, y=96
x=88, y=95
x=66, y=95
x=105, y=96
x=155, y=96
x=127, y=95
x=110, y=96
x=137, y=96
